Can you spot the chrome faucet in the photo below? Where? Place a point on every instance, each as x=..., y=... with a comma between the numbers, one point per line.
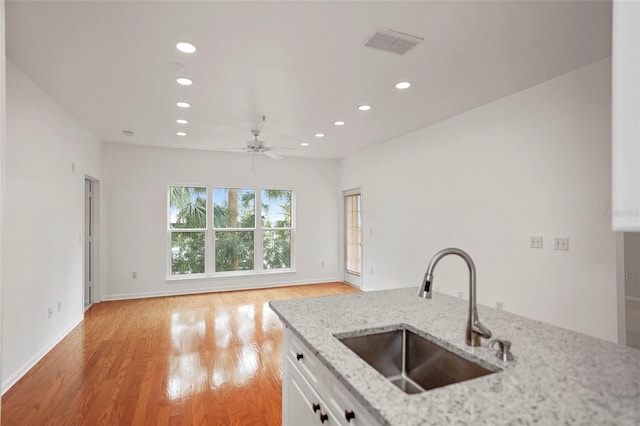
x=475, y=329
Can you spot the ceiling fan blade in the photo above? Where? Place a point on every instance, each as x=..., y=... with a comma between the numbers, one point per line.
x=232, y=150
x=272, y=155
x=282, y=147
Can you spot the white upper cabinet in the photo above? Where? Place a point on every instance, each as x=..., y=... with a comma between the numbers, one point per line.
x=625, y=211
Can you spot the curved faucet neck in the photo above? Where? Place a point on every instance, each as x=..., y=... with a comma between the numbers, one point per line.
x=475, y=329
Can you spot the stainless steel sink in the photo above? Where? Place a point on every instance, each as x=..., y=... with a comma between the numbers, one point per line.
x=413, y=363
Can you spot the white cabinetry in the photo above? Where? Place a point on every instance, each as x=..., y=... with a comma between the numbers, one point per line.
x=626, y=115
x=311, y=394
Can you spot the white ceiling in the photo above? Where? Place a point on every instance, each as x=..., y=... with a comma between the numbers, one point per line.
x=113, y=65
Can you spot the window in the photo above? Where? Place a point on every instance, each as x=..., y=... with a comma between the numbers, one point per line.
x=276, y=224
x=223, y=230
x=187, y=223
x=234, y=224
x=353, y=234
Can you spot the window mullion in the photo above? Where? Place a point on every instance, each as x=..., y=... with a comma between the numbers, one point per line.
x=258, y=265
x=209, y=242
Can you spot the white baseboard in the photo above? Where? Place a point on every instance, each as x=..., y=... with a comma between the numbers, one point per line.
x=211, y=289
x=24, y=368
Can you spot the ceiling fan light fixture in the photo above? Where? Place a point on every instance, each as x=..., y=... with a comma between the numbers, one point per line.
x=186, y=47
x=364, y=107
x=184, y=81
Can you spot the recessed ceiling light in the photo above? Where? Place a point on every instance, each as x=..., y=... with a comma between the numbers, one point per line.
x=181, y=134
x=338, y=123
x=186, y=47
x=183, y=104
x=364, y=107
x=182, y=121
x=184, y=81
x=319, y=135
x=304, y=144
x=403, y=85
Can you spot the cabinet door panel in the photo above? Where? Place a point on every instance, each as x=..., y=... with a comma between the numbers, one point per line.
x=301, y=400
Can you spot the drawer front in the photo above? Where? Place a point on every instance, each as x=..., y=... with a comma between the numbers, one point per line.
x=305, y=361
x=347, y=408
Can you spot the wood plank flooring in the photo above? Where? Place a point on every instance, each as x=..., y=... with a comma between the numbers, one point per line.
x=210, y=359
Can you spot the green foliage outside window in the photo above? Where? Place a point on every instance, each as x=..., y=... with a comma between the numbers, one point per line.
x=188, y=210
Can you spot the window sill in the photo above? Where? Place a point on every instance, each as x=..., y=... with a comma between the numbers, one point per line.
x=240, y=274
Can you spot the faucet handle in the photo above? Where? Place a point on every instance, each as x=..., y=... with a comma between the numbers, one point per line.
x=504, y=349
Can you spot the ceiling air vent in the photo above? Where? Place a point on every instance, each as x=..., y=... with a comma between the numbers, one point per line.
x=392, y=41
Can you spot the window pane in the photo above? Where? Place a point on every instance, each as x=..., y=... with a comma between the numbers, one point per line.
x=234, y=251
x=188, y=207
x=277, y=249
x=234, y=208
x=187, y=253
x=276, y=208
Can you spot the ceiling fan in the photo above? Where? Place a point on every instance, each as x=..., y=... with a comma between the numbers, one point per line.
x=257, y=146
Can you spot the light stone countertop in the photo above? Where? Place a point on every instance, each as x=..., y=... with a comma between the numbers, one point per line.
x=558, y=376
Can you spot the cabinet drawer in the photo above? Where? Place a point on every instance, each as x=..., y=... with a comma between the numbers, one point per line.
x=305, y=361
x=347, y=408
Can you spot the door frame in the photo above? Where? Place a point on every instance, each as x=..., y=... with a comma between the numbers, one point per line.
x=90, y=250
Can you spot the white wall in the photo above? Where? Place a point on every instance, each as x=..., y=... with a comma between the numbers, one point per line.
x=136, y=180
x=536, y=163
x=43, y=223
x=632, y=264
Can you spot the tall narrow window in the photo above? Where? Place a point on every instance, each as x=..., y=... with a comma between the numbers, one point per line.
x=187, y=224
x=277, y=227
x=353, y=234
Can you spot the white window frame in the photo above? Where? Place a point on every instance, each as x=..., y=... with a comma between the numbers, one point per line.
x=258, y=254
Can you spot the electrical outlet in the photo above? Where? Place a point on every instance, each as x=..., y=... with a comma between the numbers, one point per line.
x=322, y=263
x=561, y=243
x=59, y=306
x=371, y=271
x=499, y=306
x=134, y=275
x=460, y=294
x=50, y=313
x=535, y=242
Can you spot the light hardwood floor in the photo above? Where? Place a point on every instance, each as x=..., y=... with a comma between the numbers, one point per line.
x=211, y=359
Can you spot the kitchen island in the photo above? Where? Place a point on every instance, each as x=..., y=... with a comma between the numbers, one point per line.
x=558, y=376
